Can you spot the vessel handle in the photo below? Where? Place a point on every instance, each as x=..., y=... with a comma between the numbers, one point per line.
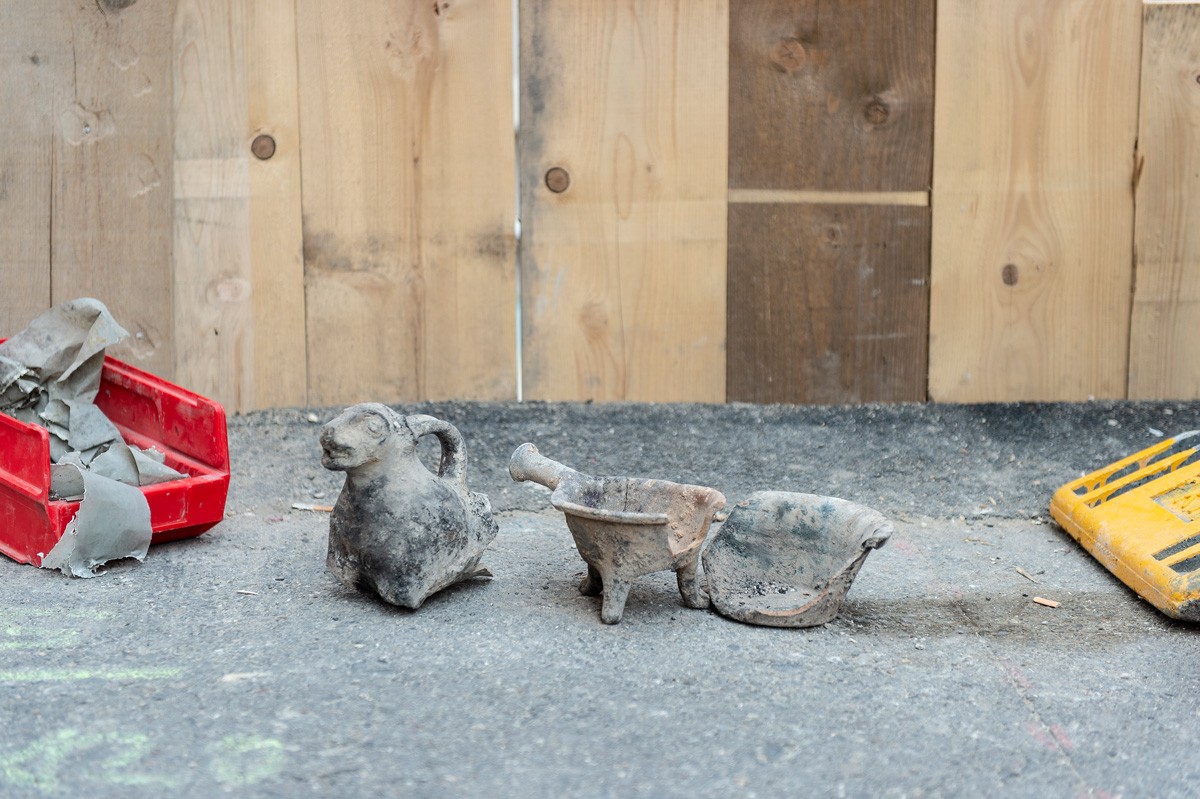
x=453, y=466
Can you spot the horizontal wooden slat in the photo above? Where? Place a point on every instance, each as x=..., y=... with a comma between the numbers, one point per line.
x=910, y=198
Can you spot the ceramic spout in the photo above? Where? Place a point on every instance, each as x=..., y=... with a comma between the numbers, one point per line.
x=529, y=464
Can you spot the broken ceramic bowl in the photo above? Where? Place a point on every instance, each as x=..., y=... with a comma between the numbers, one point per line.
x=397, y=529
x=787, y=560
x=626, y=527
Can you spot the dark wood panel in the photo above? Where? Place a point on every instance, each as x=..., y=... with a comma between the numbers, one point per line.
x=831, y=94
x=828, y=303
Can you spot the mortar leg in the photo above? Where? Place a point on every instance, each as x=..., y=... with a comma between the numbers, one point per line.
x=689, y=586
x=592, y=585
x=616, y=591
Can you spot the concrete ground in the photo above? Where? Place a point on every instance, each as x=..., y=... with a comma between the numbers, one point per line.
x=234, y=664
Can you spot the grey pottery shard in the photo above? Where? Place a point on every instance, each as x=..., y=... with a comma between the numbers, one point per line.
x=397, y=529
x=787, y=560
x=625, y=527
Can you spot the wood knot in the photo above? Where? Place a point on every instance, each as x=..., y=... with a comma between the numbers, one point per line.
x=789, y=55
x=1010, y=274
x=263, y=147
x=594, y=321
x=876, y=111
x=228, y=289
x=114, y=5
x=557, y=179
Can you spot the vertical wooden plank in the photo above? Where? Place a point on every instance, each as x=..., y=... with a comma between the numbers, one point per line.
x=213, y=312
x=238, y=266
x=276, y=249
x=831, y=116
x=830, y=302
x=1036, y=118
x=468, y=206
x=35, y=60
x=407, y=164
x=111, y=224
x=834, y=95
x=623, y=273
x=1164, y=351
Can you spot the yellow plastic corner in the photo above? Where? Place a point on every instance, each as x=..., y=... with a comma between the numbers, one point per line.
x=1140, y=517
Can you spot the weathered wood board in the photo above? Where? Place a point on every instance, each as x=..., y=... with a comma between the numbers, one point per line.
x=408, y=199
x=1164, y=337
x=239, y=280
x=1032, y=203
x=111, y=178
x=829, y=167
x=35, y=58
x=214, y=324
x=835, y=302
x=623, y=270
x=280, y=376
x=833, y=96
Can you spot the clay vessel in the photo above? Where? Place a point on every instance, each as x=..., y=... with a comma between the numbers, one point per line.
x=787, y=560
x=397, y=530
x=625, y=527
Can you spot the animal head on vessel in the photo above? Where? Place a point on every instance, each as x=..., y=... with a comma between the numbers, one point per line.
x=364, y=434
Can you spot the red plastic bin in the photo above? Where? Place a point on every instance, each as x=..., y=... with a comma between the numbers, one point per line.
x=150, y=412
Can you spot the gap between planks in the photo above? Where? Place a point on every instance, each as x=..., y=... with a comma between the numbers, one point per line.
x=908, y=198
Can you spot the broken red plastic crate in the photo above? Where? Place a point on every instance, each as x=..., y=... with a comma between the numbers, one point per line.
x=150, y=412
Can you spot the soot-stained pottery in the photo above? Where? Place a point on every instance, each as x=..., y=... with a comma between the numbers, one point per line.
x=787, y=560
x=626, y=527
x=397, y=529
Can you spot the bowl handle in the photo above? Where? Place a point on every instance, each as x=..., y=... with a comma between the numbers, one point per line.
x=529, y=464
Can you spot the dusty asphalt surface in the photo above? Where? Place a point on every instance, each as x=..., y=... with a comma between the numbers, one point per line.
x=233, y=664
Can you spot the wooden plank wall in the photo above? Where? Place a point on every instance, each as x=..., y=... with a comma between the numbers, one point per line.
x=290, y=204
x=152, y=157
x=622, y=160
x=1164, y=351
x=830, y=120
x=1037, y=107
